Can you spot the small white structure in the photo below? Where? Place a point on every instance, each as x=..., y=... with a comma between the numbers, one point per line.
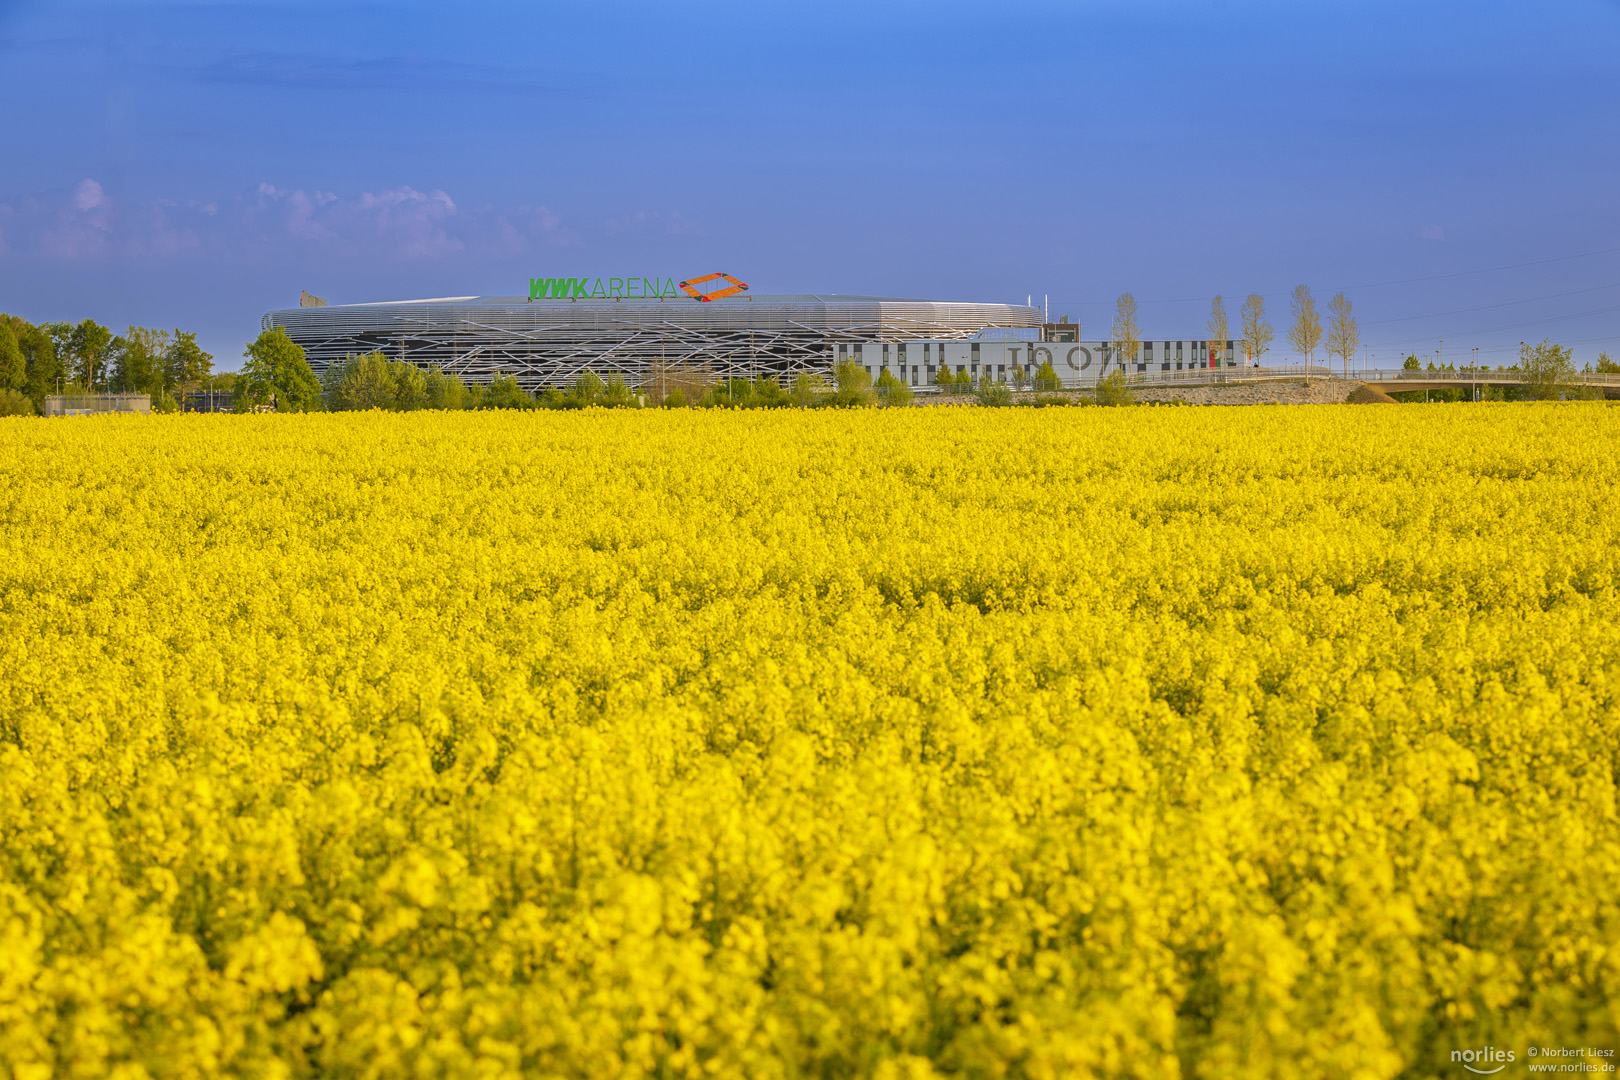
x=991, y=355
x=96, y=404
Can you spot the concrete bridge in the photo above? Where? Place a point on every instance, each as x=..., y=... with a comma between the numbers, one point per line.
x=1390, y=381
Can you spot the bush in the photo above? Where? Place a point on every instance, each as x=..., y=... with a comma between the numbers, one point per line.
x=1112, y=390
x=853, y=385
x=372, y=381
x=444, y=391
x=503, y=392
x=616, y=394
x=588, y=388
x=675, y=400
x=15, y=403
x=892, y=390
x=729, y=393
x=807, y=389
x=767, y=393
x=994, y=395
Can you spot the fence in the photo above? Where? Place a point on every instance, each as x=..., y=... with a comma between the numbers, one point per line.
x=95, y=404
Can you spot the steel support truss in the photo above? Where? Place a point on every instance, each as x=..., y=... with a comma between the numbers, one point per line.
x=551, y=343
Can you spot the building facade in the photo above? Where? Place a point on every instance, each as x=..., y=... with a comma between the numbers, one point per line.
x=550, y=342
x=995, y=355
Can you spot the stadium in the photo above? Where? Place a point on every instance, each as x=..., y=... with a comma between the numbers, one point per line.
x=561, y=330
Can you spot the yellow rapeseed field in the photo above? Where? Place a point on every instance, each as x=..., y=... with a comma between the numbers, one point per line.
x=1274, y=742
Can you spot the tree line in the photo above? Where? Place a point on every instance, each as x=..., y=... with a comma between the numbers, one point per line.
x=63, y=357
x=85, y=357
x=1305, y=335
x=277, y=376
x=1550, y=367
x=372, y=381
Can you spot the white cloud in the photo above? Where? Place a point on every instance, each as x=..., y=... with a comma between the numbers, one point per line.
x=88, y=195
x=87, y=223
x=399, y=222
x=644, y=221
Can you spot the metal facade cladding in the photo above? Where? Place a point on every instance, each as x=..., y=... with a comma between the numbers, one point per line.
x=551, y=342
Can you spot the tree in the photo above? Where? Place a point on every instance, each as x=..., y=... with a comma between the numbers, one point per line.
x=137, y=360
x=15, y=403
x=1344, y=336
x=445, y=391
x=372, y=381
x=39, y=356
x=1306, y=333
x=13, y=365
x=276, y=373
x=945, y=379
x=1126, y=334
x=1607, y=365
x=359, y=383
x=1046, y=379
x=1411, y=364
x=1257, y=333
x=1549, y=369
x=852, y=384
x=87, y=345
x=185, y=364
x=410, y=387
x=1217, y=331
x=851, y=377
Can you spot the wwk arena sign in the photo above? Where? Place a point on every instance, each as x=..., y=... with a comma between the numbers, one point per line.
x=637, y=288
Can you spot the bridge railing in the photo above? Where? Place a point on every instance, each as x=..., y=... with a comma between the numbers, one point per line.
x=1296, y=372
x=1242, y=376
x=1467, y=375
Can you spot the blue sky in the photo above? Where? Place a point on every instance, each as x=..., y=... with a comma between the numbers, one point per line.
x=1453, y=166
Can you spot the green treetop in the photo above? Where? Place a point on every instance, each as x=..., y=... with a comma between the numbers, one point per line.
x=277, y=373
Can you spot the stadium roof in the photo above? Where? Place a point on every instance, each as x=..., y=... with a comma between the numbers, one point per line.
x=747, y=298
